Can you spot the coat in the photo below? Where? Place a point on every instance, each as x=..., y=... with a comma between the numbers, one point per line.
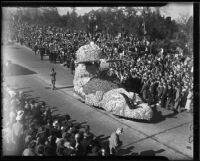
x=17, y=136
x=169, y=97
x=189, y=101
x=114, y=141
x=178, y=97
x=160, y=90
x=164, y=97
x=144, y=91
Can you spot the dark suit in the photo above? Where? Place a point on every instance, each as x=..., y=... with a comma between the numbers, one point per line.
x=160, y=91
x=84, y=146
x=169, y=98
x=178, y=97
x=144, y=91
x=164, y=97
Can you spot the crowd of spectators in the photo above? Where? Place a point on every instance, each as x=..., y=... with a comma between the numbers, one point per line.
x=31, y=129
x=162, y=77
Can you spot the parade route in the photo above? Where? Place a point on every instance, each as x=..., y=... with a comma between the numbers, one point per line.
x=167, y=136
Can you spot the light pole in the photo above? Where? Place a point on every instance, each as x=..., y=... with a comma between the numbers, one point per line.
x=92, y=21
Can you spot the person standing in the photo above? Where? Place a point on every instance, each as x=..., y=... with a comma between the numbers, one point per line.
x=72, y=65
x=42, y=51
x=169, y=97
x=160, y=92
x=56, y=50
x=178, y=97
x=189, y=101
x=114, y=142
x=144, y=90
x=51, y=50
x=53, y=78
x=164, y=95
x=185, y=92
x=36, y=47
x=18, y=133
x=151, y=100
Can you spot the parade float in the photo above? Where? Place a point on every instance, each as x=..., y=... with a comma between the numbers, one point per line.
x=95, y=88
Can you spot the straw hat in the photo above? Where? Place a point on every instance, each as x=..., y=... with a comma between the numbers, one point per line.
x=19, y=115
x=55, y=123
x=66, y=144
x=21, y=92
x=12, y=93
x=120, y=129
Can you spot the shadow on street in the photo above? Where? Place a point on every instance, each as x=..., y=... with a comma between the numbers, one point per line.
x=14, y=70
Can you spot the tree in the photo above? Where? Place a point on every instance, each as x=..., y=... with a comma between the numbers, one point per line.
x=183, y=18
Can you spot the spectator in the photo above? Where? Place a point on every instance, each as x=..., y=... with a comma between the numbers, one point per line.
x=30, y=151
x=114, y=142
x=18, y=132
x=39, y=150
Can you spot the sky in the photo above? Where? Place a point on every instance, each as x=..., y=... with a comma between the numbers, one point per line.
x=172, y=9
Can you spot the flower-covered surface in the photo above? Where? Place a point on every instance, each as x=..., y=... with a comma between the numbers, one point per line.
x=97, y=84
x=95, y=88
x=114, y=102
x=81, y=77
x=90, y=52
x=94, y=99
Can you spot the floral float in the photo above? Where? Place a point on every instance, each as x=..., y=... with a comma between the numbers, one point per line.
x=93, y=89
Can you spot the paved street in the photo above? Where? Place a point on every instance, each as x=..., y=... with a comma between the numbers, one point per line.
x=166, y=136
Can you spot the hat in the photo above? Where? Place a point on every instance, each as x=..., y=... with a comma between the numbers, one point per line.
x=43, y=103
x=12, y=93
x=28, y=152
x=85, y=134
x=66, y=144
x=28, y=138
x=55, y=123
x=57, y=140
x=77, y=136
x=19, y=115
x=32, y=101
x=67, y=117
x=60, y=142
x=120, y=129
x=21, y=92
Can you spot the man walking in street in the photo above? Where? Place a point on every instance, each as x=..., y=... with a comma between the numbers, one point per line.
x=53, y=78
x=114, y=142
